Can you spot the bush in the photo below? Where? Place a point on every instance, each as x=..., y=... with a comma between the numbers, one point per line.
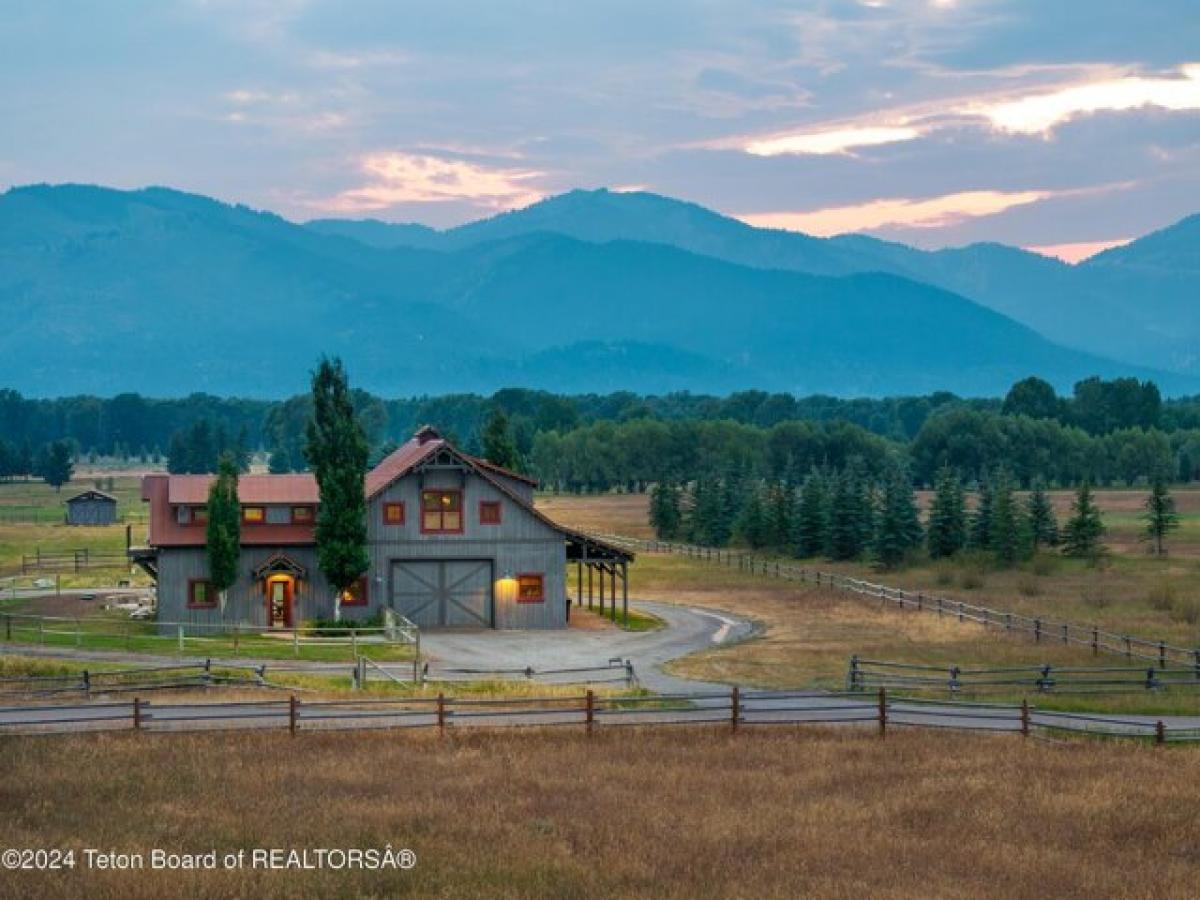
x=1028, y=585
x=1186, y=610
x=1162, y=596
x=971, y=579
x=1044, y=564
x=974, y=567
x=943, y=575
x=340, y=628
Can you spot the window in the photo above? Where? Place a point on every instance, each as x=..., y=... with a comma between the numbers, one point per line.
x=393, y=514
x=191, y=515
x=356, y=594
x=531, y=587
x=279, y=515
x=489, y=512
x=200, y=594
x=441, y=512
x=302, y=515
x=253, y=515
x=199, y=515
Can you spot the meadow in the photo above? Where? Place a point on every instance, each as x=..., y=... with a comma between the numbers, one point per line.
x=776, y=812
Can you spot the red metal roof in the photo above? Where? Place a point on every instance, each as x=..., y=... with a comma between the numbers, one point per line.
x=299, y=489
x=401, y=460
x=165, y=530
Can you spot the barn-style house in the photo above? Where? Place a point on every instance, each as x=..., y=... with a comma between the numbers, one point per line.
x=453, y=540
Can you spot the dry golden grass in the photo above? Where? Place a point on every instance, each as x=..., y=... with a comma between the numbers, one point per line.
x=648, y=813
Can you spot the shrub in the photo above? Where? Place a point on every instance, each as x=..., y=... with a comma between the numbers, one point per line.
x=943, y=575
x=1186, y=610
x=1162, y=595
x=971, y=579
x=1028, y=585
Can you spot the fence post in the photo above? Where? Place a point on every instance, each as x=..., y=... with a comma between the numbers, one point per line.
x=8, y=637
x=87, y=682
x=920, y=601
x=589, y=714
x=882, y=712
x=441, y=714
x=1128, y=647
x=1037, y=630
x=1065, y=633
x=1160, y=733
x=137, y=713
x=1024, y=717
x=292, y=704
x=1196, y=668
x=237, y=630
x=954, y=685
x=1096, y=642
x=939, y=607
x=354, y=641
x=179, y=628
x=1162, y=655
x=296, y=642
x=853, y=674
x=735, y=709
x=960, y=611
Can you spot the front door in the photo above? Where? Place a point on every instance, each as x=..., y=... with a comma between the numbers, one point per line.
x=279, y=603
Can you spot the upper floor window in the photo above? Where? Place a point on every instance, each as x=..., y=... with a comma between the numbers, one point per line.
x=279, y=515
x=441, y=512
x=302, y=515
x=489, y=512
x=393, y=514
x=191, y=515
x=254, y=515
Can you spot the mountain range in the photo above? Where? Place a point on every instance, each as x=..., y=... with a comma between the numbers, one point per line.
x=166, y=293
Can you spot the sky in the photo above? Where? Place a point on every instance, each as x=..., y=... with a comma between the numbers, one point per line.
x=1064, y=125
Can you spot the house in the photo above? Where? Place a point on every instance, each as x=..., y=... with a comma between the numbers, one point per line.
x=453, y=540
x=91, y=508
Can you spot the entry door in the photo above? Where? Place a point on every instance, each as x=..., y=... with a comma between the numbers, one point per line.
x=444, y=593
x=279, y=604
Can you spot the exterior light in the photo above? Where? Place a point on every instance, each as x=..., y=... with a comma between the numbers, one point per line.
x=506, y=588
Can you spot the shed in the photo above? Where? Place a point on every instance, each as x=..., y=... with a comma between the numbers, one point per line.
x=92, y=508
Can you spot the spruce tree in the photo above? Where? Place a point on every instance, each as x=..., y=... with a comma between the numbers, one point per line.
x=664, y=510
x=780, y=515
x=56, y=466
x=812, y=517
x=1085, y=529
x=751, y=527
x=1043, y=524
x=947, y=516
x=851, y=516
x=223, y=535
x=498, y=445
x=898, y=528
x=979, y=535
x=337, y=451
x=1007, y=531
x=1160, y=515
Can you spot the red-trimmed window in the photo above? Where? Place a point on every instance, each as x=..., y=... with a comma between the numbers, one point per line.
x=302, y=515
x=191, y=515
x=199, y=515
x=531, y=587
x=356, y=594
x=254, y=515
x=393, y=514
x=441, y=512
x=200, y=594
x=489, y=512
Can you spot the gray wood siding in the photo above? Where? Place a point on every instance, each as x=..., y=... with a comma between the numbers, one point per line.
x=91, y=512
x=521, y=543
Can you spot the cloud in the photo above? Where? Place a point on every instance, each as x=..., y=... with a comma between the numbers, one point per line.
x=395, y=178
x=930, y=212
x=1077, y=251
x=1039, y=113
x=832, y=141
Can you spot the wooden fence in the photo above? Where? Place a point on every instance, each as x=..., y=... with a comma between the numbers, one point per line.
x=735, y=709
x=80, y=560
x=1130, y=646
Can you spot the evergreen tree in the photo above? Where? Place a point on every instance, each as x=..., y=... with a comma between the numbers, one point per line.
x=750, y=528
x=851, y=516
x=499, y=448
x=979, y=536
x=241, y=451
x=703, y=521
x=223, y=534
x=178, y=458
x=664, y=510
x=812, y=517
x=55, y=465
x=337, y=451
x=278, y=462
x=202, y=451
x=947, y=516
x=780, y=515
x=1043, y=524
x=1007, y=530
x=1085, y=529
x=898, y=528
x=1160, y=515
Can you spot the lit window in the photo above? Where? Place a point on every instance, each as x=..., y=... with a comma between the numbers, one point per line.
x=200, y=595
x=302, y=515
x=356, y=594
x=253, y=515
x=279, y=515
x=191, y=515
x=199, y=515
x=441, y=511
x=531, y=588
x=489, y=512
x=393, y=513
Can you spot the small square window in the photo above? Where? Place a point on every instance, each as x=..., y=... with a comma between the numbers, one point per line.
x=254, y=515
x=356, y=594
x=489, y=512
x=200, y=595
x=199, y=515
x=302, y=515
x=393, y=513
x=531, y=587
x=279, y=515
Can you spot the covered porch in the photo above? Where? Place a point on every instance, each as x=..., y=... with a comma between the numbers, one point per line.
x=607, y=574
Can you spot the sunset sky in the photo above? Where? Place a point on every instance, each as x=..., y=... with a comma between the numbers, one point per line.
x=1062, y=125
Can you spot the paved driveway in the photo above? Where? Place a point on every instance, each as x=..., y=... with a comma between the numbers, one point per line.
x=687, y=629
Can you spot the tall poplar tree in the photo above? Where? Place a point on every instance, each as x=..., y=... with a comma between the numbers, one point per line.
x=947, y=516
x=223, y=535
x=337, y=451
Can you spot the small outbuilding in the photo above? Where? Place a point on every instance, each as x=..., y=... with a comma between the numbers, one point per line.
x=92, y=508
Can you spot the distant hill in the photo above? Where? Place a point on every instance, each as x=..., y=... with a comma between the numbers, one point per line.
x=385, y=235
x=1134, y=303
x=167, y=293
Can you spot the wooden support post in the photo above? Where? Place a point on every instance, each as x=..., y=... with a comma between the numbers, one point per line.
x=600, y=577
x=137, y=713
x=441, y=714
x=293, y=703
x=1024, y=717
x=590, y=711
x=579, y=582
x=86, y=681
x=295, y=642
x=1037, y=630
x=589, y=568
x=612, y=607
x=735, y=709
x=882, y=712
x=1162, y=655
x=625, y=592
x=179, y=628
x=1160, y=733
x=1066, y=634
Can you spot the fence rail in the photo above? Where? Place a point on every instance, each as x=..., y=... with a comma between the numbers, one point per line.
x=615, y=671
x=145, y=678
x=735, y=710
x=81, y=560
x=1130, y=646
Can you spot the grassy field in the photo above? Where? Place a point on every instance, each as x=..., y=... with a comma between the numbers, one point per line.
x=810, y=633
x=627, y=813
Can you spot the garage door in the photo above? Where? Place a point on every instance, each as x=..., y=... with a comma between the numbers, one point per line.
x=444, y=593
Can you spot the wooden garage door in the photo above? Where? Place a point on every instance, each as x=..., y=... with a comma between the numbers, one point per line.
x=444, y=593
